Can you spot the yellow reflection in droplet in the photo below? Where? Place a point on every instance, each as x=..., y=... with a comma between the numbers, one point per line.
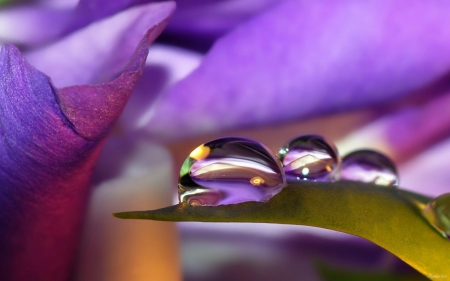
x=200, y=152
x=256, y=181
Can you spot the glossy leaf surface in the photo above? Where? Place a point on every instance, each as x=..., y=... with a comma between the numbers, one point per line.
x=388, y=217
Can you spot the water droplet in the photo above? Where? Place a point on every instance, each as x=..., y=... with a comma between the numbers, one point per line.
x=369, y=166
x=309, y=157
x=437, y=212
x=228, y=171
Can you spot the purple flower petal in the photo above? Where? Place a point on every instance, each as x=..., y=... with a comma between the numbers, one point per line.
x=427, y=173
x=42, y=22
x=88, y=11
x=304, y=58
x=90, y=108
x=32, y=24
x=100, y=51
x=44, y=174
x=197, y=24
x=168, y=65
x=50, y=140
x=417, y=127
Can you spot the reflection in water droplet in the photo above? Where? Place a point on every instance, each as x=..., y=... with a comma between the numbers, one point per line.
x=369, y=166
x=257, y=181
x=309, y=157
x=437, y=212
x=229, y=171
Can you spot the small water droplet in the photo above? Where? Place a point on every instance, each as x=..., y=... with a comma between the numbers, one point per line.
x=309, y=157
x=437, y=212
x=369, y=166
x=228, y=171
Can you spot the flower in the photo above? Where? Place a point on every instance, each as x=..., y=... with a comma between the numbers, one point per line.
x=271, y=63
x=52, y=134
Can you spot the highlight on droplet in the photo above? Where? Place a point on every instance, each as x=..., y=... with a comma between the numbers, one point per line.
x=257, y=181
x=200, y=153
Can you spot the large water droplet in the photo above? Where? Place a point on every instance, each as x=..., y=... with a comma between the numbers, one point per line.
x=228, y=171
x=437, y=212
x=369, y=166
x=309, y=157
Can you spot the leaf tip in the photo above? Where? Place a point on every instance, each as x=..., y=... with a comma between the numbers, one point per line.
x=122, y=215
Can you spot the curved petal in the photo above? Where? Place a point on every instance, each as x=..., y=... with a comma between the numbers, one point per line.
x=50, y=140
x=303, y=59
x=99, y=52
x=45, y=171
x=90, y=108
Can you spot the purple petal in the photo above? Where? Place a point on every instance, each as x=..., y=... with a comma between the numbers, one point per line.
x=417, y=127
x=165, y=66
x=88, y=11
x=49, y=145
x=427, y=173
x=197, y=24
x=44, y=162
x=99, y=52
x=406, y=131
x=90, y=108
x=40, y=23
x=306, y=58
x=33, y=24
x=214, y=17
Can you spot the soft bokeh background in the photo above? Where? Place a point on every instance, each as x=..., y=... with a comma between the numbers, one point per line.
x=370, y=74
x=250, y=251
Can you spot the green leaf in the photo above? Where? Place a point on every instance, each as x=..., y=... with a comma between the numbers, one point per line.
x=13, y=2
x=332, y=273
x=389, y=217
